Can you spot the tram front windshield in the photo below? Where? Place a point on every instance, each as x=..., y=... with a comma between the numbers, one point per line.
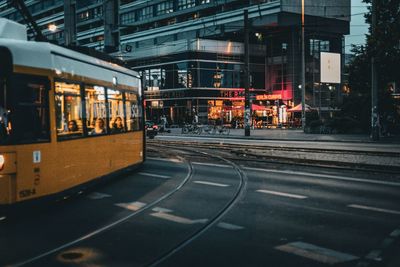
x=24, y=116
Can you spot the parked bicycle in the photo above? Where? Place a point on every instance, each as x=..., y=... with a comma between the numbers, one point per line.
x=192, y=128
x=214, y=129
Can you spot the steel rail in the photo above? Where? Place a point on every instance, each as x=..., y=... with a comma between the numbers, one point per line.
x=113, y=224
x=238, y=195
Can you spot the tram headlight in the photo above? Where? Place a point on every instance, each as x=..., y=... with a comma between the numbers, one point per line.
x=2, y=160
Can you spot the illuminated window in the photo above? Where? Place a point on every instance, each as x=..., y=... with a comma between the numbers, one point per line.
x=116, y=111
x=68, y=110
x=133, y=112
x=165, y=7
x=183, y=4
x=96, y=118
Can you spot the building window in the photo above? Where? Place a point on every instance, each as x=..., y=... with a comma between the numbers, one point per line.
x=165, y=7
x=183, y=4
x=205, y=1
x=145, y=13
x=317, y=46
x=128, y=18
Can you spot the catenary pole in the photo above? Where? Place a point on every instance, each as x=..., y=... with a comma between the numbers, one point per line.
x=374, y=85
x=303, y=71
x=247, y=107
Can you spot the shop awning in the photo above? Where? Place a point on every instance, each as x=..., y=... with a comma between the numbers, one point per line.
x=258, y=107
x=298, y=108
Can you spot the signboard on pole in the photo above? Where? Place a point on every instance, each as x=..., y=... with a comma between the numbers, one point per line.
x=330, y=67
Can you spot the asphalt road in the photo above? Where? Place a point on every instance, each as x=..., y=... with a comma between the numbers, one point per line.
x=201, y=210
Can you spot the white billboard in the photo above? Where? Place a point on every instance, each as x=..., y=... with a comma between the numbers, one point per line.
x=330, y=67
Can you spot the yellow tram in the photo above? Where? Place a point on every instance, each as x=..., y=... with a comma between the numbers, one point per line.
x=66, y=119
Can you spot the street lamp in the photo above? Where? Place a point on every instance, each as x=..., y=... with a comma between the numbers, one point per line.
x=52, y=27
x=303, y=71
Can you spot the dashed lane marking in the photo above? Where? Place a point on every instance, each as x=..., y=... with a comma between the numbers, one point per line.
x=212, y=164
x=229, y=226
x=177, y=219
x=97, y=195
x=395, y=233
x=316, y=253
x=210, y=183
x=373, y=209
x=2, y=218
x=164, y=159
x=281, y=194
x=158, y=209
x=154, y=175
x=134, y=206
x=327, y=176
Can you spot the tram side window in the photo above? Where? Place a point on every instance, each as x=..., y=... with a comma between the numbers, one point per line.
x=133, y=112
x=68, y=110
x=96, y=110
x=28, y=110
x=116, y=111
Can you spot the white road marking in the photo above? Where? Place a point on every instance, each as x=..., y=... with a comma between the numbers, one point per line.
x=97, y=195
x=281, y=194
x=154, y=175
x=229, y=226
x=131, y=206
x=212, y=164
x=3, y=218
x=158, y=209
x=316, y=253
x=374, y=209
x=395, y=233
x=374, y=255
x=210, y=183
x=327, y=176
x=177, y=219
x=164, y=159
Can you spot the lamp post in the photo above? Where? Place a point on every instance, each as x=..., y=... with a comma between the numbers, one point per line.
x=303, y=71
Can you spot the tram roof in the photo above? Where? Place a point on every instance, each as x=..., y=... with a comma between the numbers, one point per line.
x=61, y=60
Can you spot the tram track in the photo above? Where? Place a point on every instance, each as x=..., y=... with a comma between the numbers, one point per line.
x=187, y=156
x=250, y=153
x=112, y=224
x=238, y=195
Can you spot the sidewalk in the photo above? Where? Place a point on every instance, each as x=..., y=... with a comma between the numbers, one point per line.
x=297, y=135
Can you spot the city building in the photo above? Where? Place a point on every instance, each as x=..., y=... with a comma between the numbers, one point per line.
x=191, y=52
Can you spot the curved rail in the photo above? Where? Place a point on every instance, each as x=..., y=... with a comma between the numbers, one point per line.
x=239, y=194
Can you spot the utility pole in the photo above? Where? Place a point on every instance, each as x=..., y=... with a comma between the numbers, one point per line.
x=247, y=107
x=303, y=71
x=374, y=85
x=70, y=22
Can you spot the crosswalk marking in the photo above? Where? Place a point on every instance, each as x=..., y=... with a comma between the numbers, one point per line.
x=210, y=183
x=281, y=194
x=154, y=175
x=316, y=253
x=134, y=206
x=374, y=209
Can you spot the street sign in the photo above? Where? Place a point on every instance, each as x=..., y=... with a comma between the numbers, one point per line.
x=330, y=68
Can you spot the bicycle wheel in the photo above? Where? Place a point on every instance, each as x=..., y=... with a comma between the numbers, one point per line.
x=185, y=130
